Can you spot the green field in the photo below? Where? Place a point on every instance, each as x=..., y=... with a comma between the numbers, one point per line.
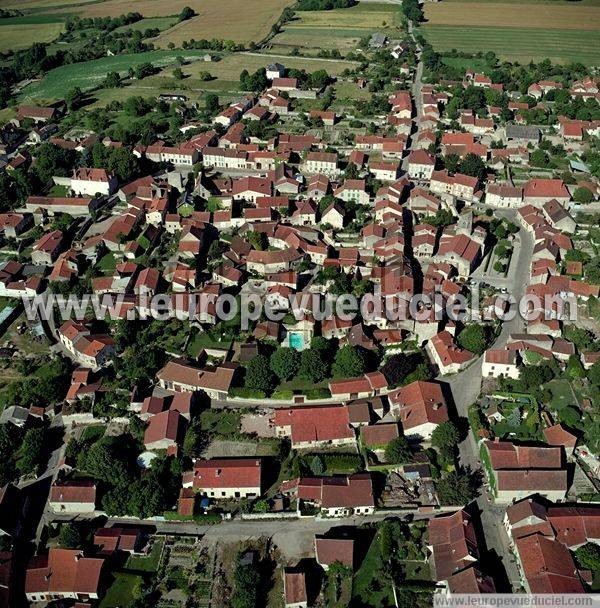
x=21, y=34
x=90, y=74
x=125, y=589
x=518, y=44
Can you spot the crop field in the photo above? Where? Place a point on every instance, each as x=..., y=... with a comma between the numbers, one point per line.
x=337, y=29
x=161, y=23
x=90, y=74
x=518, y=44
x=31, y=5
x=239, y=20
x=15, y=36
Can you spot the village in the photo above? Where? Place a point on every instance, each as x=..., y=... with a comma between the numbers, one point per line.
x=298, y=459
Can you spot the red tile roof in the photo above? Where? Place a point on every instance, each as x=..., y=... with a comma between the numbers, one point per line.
x=316, y=423
x=227, y=473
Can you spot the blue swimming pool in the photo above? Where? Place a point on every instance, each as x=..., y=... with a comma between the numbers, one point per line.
x=296, y=340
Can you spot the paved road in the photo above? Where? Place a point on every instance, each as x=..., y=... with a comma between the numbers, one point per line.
x=466, y=387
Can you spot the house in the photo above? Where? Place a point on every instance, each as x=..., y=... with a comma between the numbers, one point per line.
x=93, y=182
x=90, y=350
x=126, y=540
x=333, y=216
x=46, y=248
x=420, y=164
x=294, y=588
x=503, y=195
x=275, y=70
x=539, y=191
x=64, y=574
x=500, y=363
x=420, y=406
x=322, y=162
x=180, y=376
x=269, y=262
x=52, y=205
x=522, y=134
x=384, y=171
x=12, y=225
x=558, y=216
x=460, y=250
x=360, y=387
x=458, y=185
x=310, y=427
x=165, y=431
x=449, y=357
x=455, y=552
x=226, y=478
x=336, y=496
x=330, y=549
x=516, y=471
x=557, y=435
x=354, y=191
x=73, y=497
x=380, y=434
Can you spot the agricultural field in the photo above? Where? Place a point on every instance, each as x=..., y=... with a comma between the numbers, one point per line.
x=90, y=74
x=19, y=33
x=216, y=20
x=340, y=29
x=561, y=31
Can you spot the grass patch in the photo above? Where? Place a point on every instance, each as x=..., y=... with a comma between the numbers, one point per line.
x=146, y=563
x=107, y=263
x=125, y=589
x=362, y=587
x=562, y=394
x=220, y=422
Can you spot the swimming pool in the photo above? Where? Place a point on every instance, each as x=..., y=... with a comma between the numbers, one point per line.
x=296, y=340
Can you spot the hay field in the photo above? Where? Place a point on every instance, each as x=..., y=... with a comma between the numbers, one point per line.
x=486, y=14
x=15, y=36
x=239, y=20
x=339, y=29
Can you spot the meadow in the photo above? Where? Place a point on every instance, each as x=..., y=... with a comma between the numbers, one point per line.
x=339, y=29
x=15, y=35
x=226, y=75
x=91, y=73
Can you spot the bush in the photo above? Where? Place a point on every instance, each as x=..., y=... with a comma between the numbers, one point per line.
x=244, y=392
x=317, y=393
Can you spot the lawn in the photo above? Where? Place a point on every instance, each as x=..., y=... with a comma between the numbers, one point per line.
x=124, y=590
x=107, y=264
x=90, y=74
x=146, y=563
x=238, y=20
x=518, y=43
x=15, y=36
x=362, y=588
x=562, y=394
x=220, y=422
x=203, y=340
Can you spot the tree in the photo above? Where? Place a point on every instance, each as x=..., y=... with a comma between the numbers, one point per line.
x=143, y=69
x=73, y=98
x=31, y=452
x=123, y=163
x=455, y=488
x=402, y=367
x=583, y=196
x=112, y=80
x=398, y=451
x=259, y=375
x=178, y=74
x=313, y=366
x=109, y=460
x=575, y=368
x=316, y=466
x=186, y=13
x=588, y=556
x=473, y=165
x=349, y=362
x=474, y=337
x=592, y=270
x=69, y=536
x=533, y=376
x=211, y=103
x=445, y=435
x=594, y=374
x=538, y=158
x=285, y=363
